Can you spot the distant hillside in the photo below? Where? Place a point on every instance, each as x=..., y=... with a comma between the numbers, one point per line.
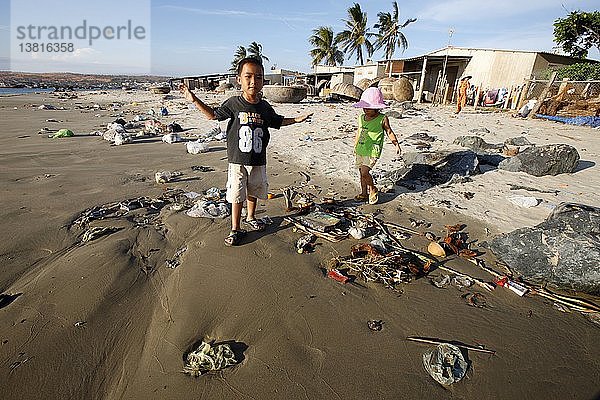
x=73, y=81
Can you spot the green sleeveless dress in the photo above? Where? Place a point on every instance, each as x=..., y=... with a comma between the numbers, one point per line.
x=370, y=140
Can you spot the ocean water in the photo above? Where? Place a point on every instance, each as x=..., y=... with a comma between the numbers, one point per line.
x=23, y=90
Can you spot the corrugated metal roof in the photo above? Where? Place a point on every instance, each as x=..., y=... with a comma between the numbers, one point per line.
x=431, y=54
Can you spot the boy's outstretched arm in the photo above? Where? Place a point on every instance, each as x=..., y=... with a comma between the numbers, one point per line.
x=190, y=96
x=388, y=129
x=301, y=118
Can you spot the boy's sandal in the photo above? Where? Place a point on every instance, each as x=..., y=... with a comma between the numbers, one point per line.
x=234, y=238
x=374, y=198
x=361, y=197
x=255, y=224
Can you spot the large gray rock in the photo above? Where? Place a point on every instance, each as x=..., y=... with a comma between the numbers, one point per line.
x=564, y=250
x=552, y=159
x=477, y=144
x=439, y=167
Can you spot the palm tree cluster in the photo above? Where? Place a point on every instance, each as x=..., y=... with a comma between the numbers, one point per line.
x=355, y=39
x=253, y=50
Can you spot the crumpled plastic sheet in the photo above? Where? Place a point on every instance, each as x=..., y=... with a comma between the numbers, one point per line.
x=592, y=121
x=445, y=363
x=208, y=357
x=209, y=209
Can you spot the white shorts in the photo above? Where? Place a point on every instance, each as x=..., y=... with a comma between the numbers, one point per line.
x=246, y=180
x=366, y=161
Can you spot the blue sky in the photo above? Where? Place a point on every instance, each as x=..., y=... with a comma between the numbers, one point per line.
x=199, y=37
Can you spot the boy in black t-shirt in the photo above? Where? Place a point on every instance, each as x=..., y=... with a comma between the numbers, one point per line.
x=250, y=118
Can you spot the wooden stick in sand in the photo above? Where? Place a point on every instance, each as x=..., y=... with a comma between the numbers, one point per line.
x=438, y=341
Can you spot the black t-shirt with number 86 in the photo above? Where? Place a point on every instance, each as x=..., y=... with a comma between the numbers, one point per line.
x=248, y=129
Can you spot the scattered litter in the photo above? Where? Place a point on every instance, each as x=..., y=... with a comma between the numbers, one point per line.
x=306, y=243
x=337, y=275
x=197, y=147
x=475, y=299
x=47, y=107
x=375, y=325
x=320, y=221
x=95, y=232
x=122, y=138
x=192, y=195
x=512, y=285
x=441, y=281
x=171, y=138
x=176, y=260
x=164, y=112
x=63, y=133
x=436, y=249
x=561, y=307
x=357, y=232
x=462, y=282
x=166, y=176
x=214, y=193
x=209, y=209
x=79, y=323
x=208, y=357
x=415, y=223
x=201, y=168
x=445, y=363
x=523, y=201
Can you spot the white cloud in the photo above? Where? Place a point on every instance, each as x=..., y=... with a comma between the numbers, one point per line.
x=290, y=16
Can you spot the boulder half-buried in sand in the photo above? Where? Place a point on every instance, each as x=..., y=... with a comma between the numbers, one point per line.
x=347, y=91
x=402, y=90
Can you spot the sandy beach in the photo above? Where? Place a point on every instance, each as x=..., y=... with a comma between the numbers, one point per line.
x=107, y=318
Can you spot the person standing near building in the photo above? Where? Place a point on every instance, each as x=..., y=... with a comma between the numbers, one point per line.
x=463, y=87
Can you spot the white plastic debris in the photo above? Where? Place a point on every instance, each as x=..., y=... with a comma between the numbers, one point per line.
x=116, y=127
x=171, y=138
x=196, y=147
x=523, y=201
x=209, y=209
x=122, y=138
x=445, y=363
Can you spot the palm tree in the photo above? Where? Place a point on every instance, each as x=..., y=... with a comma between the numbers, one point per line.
x=357, y=34
x=255, y=50
x=239, y=55
x=390, y=32
x=325, y=47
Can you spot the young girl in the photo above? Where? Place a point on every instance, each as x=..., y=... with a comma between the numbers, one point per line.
x=369, y=141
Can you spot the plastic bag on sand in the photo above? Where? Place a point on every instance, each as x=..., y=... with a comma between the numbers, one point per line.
x=445, y=363
x=196, y=147
x=63, y=133
x=109, y=135
x=171, y=138
x=209, y=209
x=208, y=357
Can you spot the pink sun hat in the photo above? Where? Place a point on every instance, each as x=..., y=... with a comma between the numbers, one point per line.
x=371, y=98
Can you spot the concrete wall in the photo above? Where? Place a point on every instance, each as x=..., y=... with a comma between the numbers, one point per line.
x=371, y=71
x=341, y=77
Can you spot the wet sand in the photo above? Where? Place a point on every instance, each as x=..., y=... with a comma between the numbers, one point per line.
x=107, y=319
